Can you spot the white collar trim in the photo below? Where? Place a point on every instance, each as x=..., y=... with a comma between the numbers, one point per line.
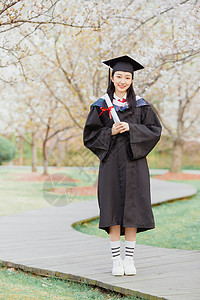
x=117, y=98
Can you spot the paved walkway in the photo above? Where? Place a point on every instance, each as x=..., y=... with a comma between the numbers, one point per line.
x=163, y=191
x=43, y=241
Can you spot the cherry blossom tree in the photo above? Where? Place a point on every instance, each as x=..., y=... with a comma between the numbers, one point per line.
x=37, y=118
x=178, y=107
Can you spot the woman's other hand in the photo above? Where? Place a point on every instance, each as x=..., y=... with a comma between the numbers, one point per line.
x=119, y=127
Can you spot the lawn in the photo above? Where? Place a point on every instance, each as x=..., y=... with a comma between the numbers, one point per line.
x=21, y=195
x=16, y=284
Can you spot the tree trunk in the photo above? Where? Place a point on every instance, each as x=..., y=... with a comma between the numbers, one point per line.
x=58, y=158
x=45, y=165
x=176, y=163
x=21, y=150
x=45, y=161
x=62, y=154
x=34, y=152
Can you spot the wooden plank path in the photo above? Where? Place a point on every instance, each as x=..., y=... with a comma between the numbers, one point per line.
x=43, y=241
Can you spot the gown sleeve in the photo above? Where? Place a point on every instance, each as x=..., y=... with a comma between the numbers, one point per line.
x=97, y=137
x=144, y=136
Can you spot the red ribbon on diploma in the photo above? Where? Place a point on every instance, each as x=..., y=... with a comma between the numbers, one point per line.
x=109, y=109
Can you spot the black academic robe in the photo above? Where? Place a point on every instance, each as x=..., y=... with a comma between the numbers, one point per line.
x=123, y=180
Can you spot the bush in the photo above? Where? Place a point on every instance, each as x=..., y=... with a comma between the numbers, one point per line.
x=7, y=150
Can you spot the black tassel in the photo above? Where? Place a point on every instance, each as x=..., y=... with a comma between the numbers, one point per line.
x=109, y=77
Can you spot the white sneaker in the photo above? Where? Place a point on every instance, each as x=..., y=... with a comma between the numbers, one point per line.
x=129, y=267
x=118, y=268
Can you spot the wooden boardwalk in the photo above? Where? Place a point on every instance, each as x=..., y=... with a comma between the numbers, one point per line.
x=43, y=241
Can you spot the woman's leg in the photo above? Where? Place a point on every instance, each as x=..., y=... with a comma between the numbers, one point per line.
x=130, y=240
x=130, y=233
x=118, y=268
x=114, y=232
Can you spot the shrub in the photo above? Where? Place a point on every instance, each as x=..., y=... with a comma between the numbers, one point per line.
x=7, y=150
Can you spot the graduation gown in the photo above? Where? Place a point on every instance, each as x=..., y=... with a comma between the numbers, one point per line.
x=123, y=180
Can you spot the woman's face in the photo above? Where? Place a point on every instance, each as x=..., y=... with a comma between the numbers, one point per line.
x=122, y=80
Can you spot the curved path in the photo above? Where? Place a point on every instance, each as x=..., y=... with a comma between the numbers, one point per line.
x=43, y=241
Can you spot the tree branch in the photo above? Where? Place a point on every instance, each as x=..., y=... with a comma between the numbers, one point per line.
x=74, y=85
x=163, y=122
x=9, y=6
x=63, y=103
x=25, y=138
x=57, y=131
x=22, y=21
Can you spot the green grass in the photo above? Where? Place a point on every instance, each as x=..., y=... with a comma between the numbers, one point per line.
x=19, y=196
x=177, y=224
x=21, y=285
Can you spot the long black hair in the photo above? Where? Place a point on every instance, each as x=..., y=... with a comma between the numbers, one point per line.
x=130, y=98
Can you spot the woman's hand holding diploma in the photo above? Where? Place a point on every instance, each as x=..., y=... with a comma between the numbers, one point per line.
x=119, y=127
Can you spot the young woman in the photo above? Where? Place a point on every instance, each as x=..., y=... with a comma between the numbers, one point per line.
x=123, y=181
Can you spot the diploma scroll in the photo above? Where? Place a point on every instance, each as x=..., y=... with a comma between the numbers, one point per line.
x=113, y=111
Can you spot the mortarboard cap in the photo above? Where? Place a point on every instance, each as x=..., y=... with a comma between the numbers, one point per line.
x=123, y=63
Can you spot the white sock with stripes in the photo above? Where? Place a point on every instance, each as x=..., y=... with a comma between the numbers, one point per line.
x=115, y=249
x=129, y=247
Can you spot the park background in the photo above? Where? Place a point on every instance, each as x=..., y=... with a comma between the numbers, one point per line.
x=51, y=72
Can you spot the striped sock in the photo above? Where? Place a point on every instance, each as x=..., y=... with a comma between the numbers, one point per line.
x=129, y=246
x=115, y=249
